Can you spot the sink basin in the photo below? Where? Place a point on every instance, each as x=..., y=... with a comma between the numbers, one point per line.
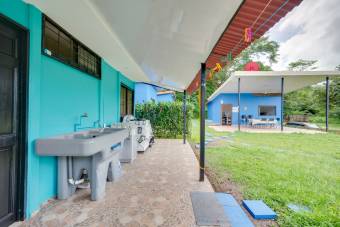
x=84, y=143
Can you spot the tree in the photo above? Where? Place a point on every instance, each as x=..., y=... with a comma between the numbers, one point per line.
x=302, y=65
x=306, y=100
x=192, y=99
x=303, y=101
x=311, y=100
x=334, y=96
x=261, y=48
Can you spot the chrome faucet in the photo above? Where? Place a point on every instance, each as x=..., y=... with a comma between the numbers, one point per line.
x=77, y=125
x=96, y=123
x=99, y=124
x=84, y=115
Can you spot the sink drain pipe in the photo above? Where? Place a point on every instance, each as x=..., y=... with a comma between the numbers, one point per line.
x=70, y=173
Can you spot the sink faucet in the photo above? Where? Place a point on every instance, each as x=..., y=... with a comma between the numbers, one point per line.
x=96, y=123
x=77, y=125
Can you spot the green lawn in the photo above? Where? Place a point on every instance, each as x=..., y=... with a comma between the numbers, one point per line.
x=334, y=123
x=331, y=126
x=281, y=169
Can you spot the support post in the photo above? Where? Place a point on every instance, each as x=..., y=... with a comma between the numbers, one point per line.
x=239, y=104
x=327, y=102
x=282, y=99
x=202, y=123
x=184, y=116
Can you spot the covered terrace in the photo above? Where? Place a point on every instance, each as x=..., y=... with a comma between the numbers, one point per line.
x=170, y=44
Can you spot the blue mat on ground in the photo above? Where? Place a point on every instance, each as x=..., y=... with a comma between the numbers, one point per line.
x=207, y=210
x=236, y=216
x=259, y=210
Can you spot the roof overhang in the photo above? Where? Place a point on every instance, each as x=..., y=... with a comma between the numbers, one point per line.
x=160, y=42
x=268, y=82
x=165, y=92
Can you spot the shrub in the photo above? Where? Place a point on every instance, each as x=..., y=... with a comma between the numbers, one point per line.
x=166, y=117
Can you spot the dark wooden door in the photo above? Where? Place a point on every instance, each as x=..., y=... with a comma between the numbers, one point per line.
x=10, y=55
x=226, y=114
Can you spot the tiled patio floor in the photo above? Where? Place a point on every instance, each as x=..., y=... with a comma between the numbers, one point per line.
x=153, y=192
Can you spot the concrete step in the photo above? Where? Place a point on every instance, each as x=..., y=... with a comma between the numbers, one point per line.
x=236, y=216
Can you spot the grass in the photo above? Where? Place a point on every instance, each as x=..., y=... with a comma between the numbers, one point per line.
x=302, y=169
x=334, y=123
x=331, y=126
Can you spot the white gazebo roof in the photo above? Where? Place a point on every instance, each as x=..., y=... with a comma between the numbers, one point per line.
x=270, y=81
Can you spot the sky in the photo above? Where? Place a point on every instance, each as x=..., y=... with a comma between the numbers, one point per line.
x=312, y=32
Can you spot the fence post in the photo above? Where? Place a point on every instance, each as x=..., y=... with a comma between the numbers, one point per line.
x=327, y=102
x=202, y=119
x=184, y=116
x=282, y=97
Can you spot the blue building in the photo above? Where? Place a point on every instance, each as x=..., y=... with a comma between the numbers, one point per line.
x=247, y=97
x=255, y=106
x=165, y=96
x=148, y=92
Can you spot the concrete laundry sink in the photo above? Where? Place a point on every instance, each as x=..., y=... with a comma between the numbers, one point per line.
x=84, y=143
x=84, y=157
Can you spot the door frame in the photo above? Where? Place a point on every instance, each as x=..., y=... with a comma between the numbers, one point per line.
x=231, y=111
x=126, y=99
x=22, y=111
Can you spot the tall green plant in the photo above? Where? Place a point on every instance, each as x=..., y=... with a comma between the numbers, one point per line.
x=166, y=117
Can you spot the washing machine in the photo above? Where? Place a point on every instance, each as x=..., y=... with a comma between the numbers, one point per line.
x=145, y=137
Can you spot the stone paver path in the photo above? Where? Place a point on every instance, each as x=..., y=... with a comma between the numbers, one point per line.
x=154, y=191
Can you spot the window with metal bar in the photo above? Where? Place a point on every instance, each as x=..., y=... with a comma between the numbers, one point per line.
x=62, y=46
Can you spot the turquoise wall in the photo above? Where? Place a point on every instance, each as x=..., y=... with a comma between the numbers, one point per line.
x=110, y=91
x=16, y=10
x=58, y=95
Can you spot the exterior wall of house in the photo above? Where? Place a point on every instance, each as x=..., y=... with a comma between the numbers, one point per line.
x=146, y=93
x=165, y=98
x=249, y=106
x=58, y=95
x=110, y=92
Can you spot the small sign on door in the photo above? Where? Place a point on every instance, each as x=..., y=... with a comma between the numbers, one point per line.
x=235, y=109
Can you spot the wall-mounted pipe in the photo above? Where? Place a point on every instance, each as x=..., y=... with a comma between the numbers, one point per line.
x=77, y=125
